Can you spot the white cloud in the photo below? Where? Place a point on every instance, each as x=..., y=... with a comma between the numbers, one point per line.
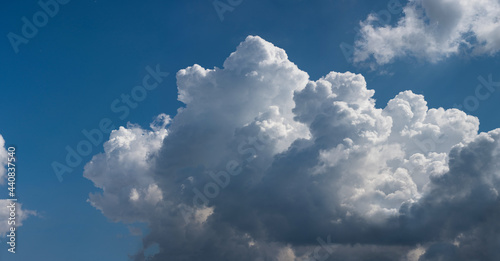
x=3, y=159
x=332, y=165
x=432, y=30
x=123, y=172
x=21, y=214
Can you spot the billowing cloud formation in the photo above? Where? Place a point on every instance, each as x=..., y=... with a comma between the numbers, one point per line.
x=264, y=164
x=433, y=30
x=128, y=195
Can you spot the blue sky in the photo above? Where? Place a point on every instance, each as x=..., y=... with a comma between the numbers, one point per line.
x=66, y=77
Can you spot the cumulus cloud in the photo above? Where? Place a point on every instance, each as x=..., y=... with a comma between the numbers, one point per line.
x=432, y=30
x=129, y=195
x=263, y=163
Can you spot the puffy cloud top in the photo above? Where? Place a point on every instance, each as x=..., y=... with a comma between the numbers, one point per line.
x=263, y=163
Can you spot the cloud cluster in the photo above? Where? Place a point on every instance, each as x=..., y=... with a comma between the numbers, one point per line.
x=432, y=30
x=264, y=164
